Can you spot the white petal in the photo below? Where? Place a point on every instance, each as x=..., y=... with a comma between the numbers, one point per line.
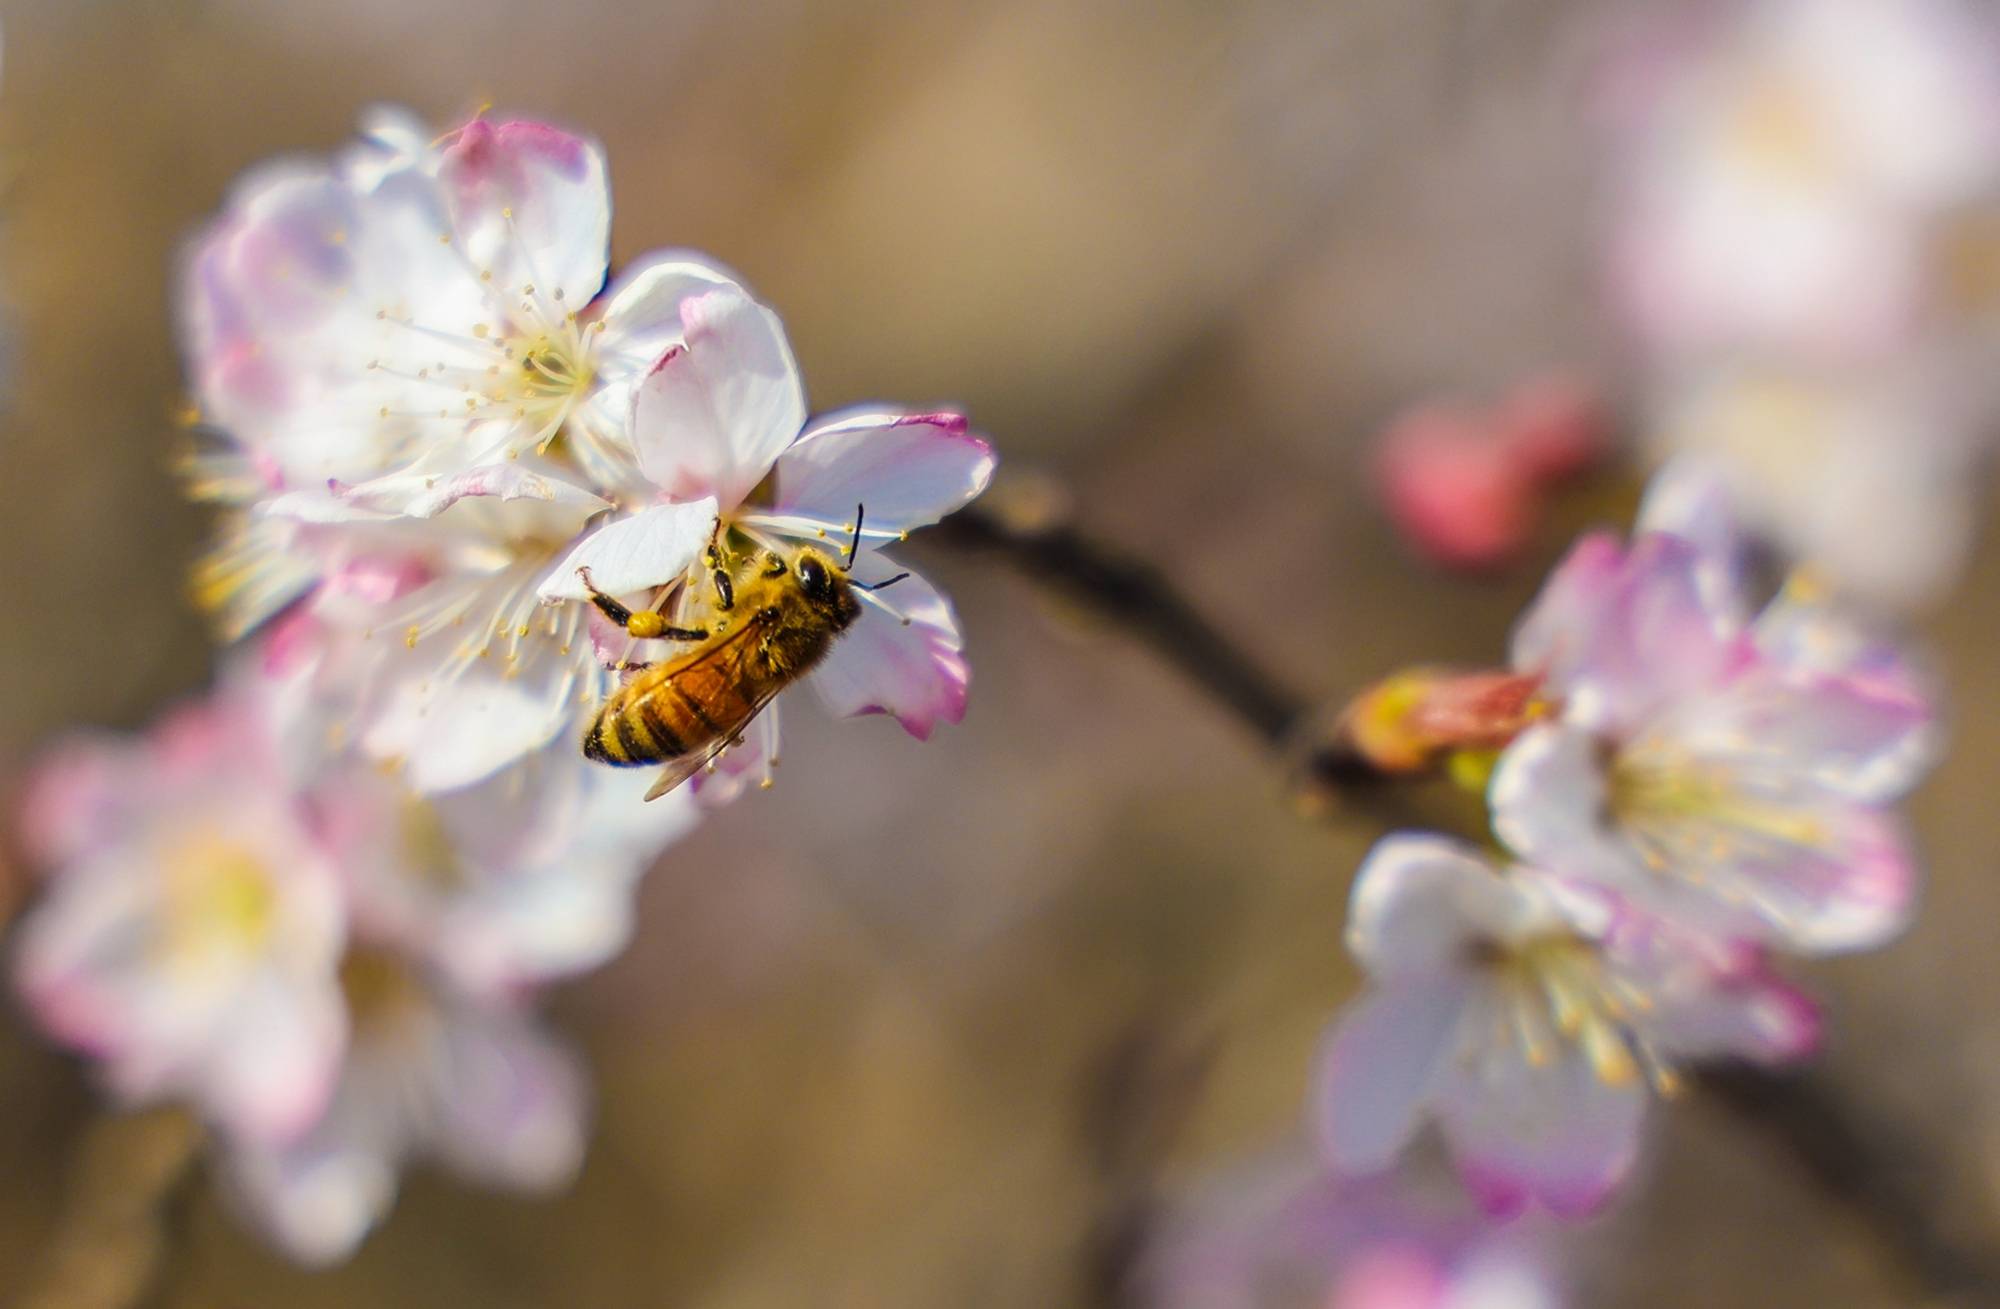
x=1865, y=742
x=511, y=1102
x=914, y=669
x=530, y=205
x=274, y=1071
x=1549, y=796
x=648, y=549
x=566, y=906
x=422, y=496
x=1755, y=1016
x=448, y=733
x=1376, y=1071
x=909, y=470
x=719, y=407
x=642, y=309
x=1689, y=498
x=1419, y=900
x=316, y=1199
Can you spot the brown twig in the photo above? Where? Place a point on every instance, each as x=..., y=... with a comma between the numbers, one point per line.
x=1879, y=1177
x=110, y=1239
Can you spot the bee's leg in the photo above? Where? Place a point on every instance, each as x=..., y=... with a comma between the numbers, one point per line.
x=725, y=591
x=645, y=625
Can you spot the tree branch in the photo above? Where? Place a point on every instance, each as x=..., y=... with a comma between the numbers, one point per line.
x=1878, y=1177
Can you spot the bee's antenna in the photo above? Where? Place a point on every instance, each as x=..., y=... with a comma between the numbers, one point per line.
x=854, y=542
x=879, y=586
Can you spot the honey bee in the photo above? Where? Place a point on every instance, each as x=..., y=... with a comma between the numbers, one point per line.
x=685, y=711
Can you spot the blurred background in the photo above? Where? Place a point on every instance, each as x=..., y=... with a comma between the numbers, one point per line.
x=952, y=1024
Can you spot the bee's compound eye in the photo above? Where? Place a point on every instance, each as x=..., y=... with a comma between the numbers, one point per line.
x=813, y=576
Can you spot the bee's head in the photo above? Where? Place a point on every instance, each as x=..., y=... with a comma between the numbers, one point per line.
x=825, y=587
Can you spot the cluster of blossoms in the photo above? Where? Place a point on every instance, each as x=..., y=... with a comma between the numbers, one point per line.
x=318, y=906
x=1272, y=1238
x=1683, y=783
x=1806, y=195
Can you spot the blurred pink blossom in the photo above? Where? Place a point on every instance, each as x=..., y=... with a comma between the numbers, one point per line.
x=1279, y=1236
x=1467, y=485
x=501, y=885
x=1528, y=1023
x=430, y=1075
x=1781, y=182
x=1696, y=764
x=192, y=924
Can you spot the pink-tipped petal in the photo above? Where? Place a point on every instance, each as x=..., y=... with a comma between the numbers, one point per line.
x=1756, y=1017
x=1559, y=629
x=1557, y=1135
x=1620, y=633
x=719, y=408
x=909, y=470
x=531, y=205
x=1867, y=742
x=903, y=657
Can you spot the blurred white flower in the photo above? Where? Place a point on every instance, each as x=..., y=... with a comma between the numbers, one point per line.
x=193, y=922
x=1782, y=184
x=430, y=1075
x=1712, y=770
x=502, y=885
x=721, y=429
x=1869, y=481
x=1528, y=1023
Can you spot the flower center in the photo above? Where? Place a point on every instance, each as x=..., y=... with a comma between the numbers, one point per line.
x=222, y=899
x=1558, y=992
x=1779, y=130
x=526, y=369
x=1688, y=819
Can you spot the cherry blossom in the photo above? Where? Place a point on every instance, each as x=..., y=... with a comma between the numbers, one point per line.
x=1783, y=177
x=721, y=431
x=431, y=1074
x=1729, y=774
x=1867, y=478
x=193, y=922
x=1276, y=1234
x=423, y=647
x=502, y=885
x=1529, y=1023
x=409, y=313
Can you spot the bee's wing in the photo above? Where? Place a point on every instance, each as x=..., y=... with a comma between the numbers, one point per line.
x=688, y=765
x=723, y=658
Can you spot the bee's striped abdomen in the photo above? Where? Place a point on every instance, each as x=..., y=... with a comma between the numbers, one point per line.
x=630, y=731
